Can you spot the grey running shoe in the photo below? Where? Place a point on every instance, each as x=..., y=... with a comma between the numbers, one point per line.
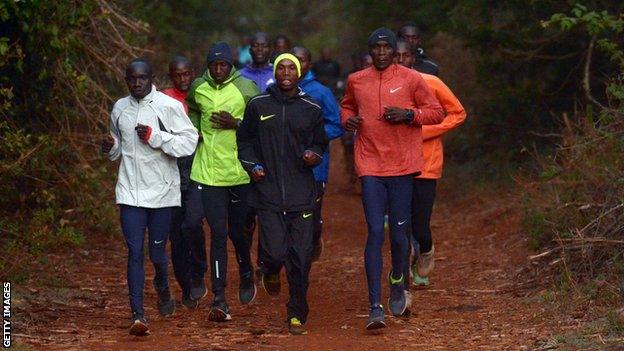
x=376, y=318
x=425, y=262
x=138, y=326
x=247, y=289
x=166, y=305
x=198, y=289
x=397, y=303
x=219, y=311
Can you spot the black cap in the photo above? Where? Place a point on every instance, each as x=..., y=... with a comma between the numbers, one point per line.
x=220, y=51
x=382, y=34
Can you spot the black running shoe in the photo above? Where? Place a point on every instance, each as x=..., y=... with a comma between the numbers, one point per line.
x=247, y=289
x=271, y=283
x=376, y=319
x=138, y=326
x=198, y=289
x=219, y=311
x=166, y=305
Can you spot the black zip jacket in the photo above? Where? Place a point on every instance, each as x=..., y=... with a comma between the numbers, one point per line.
x=275, y=132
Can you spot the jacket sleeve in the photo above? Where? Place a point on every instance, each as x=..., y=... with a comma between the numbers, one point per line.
x=180, y=138
x=246, y=136
x=115, y=151
x=194, y=112
x=348, y=105
x=455, y=113
x=319, y=137
x=331, y=115
x=429, y=110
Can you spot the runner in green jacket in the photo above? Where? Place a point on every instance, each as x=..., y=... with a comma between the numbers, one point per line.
x=216, y=103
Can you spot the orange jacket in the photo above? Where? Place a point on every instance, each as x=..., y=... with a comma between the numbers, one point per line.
x=381, y=148
x=433, y=151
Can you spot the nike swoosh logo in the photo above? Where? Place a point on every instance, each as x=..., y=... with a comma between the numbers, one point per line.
x=235, y=201
x=264, y=118
x=307, y=215
x=158, y=242
x=401, y=223
x=382, y=36
x=392, y=91
x=217, y=53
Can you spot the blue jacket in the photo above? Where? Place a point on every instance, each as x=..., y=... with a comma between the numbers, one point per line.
x=263, y=77
x=331, y=117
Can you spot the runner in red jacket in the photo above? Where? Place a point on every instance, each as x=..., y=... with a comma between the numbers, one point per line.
x=386, y=105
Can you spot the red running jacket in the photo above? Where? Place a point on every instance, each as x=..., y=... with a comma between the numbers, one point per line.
x=383, y=149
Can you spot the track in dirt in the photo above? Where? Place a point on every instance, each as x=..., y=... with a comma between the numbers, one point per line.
x=474, y=302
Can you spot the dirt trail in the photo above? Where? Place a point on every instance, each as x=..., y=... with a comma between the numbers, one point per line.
x=476, y=300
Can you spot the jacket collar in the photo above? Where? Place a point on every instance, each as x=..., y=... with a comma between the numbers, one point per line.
x=307, y=78
x=387, y=73
x=148, y=98
x=233, y=75
x=277, y=93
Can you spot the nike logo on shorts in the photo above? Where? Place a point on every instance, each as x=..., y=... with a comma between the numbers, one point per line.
x=403, y=222
x=158, y=242
x=307, y=215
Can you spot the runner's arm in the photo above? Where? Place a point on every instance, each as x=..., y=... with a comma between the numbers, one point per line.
x=246, y=135
x=180, y=138
x=348, y=105
x=428, y=109
x=331, y=116
x=455, y=113
x=115, y=151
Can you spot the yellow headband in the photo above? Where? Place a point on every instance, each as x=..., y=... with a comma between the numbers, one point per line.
x=287, y=56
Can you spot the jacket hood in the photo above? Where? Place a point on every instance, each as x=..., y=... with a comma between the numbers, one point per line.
x=280, y=96
x=234, y=74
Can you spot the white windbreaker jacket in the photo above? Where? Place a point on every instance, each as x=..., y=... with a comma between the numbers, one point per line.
x=148, y=173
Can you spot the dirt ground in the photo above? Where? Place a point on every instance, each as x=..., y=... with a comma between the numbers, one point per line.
x=479, y=297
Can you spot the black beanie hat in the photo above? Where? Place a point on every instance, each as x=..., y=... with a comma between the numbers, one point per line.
x=382, y=34
x=220, y=51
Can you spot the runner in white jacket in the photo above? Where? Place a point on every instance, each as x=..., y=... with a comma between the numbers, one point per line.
x=148, y=130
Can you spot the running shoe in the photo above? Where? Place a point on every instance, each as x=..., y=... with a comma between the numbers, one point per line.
x=189, y=303
x=247, y=289
x=166, y=305
x=219, y=311
x=198, y=289
x=417, y=280
x=317, y=250
x=271, y=283
x=295, y=327
x=397, y=303
x=138, y=326
x=425, y=262
x=376, y=318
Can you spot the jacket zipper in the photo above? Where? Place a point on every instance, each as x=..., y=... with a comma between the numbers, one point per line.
x=380, y=112
x=212, y=139
x=136, y=174
x=282, y=154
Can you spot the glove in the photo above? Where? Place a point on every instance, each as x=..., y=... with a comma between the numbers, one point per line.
x=257, y=173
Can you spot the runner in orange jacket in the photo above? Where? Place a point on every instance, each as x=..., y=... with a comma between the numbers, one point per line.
x=423, y=192
x=386, y=105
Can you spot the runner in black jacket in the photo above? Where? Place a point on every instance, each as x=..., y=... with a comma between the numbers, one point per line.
x=280, y=140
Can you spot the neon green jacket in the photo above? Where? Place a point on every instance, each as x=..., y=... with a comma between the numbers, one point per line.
x=216, y=159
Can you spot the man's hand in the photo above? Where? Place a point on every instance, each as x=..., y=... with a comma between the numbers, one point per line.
x=397, y=115
x=144, y=132
x=257, y=173
x=353, y=123
x=223, y=120
x=107, y=143
x=311, y=158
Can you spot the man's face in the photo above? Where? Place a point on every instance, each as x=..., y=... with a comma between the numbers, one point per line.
x=304, y=60
x=382, y=54
x=403, y=55
x=410, y=35
x=281, y=45
x=219, y=70
x=181, y=75
x=286, y=75
x=260, y=50
x=139, y=79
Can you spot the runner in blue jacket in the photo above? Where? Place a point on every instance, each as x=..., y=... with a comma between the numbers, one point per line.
x=331, y=117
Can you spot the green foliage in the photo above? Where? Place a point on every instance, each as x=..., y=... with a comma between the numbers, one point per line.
x=57, y=76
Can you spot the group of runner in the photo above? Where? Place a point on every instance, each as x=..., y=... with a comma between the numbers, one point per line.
x=240, y=147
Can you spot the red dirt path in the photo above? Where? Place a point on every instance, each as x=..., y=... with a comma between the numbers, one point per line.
x=476, y=300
